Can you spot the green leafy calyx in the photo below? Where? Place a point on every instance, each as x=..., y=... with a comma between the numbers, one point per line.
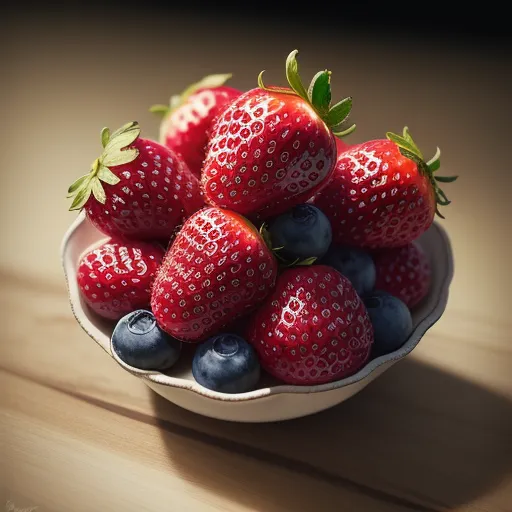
x=318, y=95
x=210, y=82
x=283, y=262
x=115, y=152
x=410, y=150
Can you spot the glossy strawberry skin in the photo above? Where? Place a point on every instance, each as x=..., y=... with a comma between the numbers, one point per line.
x=404, y=272
x=377, y=197
x=186, y=129
x=313, y=328
x=217, y=269
x=115, y=278
x=268, y=151
x=155, y=194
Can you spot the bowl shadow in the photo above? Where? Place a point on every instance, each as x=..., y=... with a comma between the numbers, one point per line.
x=420, y=439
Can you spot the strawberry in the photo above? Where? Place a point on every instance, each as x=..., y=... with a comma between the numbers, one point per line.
x=273, y=147
x=382, y=193
x=137, y=188
x=404, y=272
x=217, y=269
x=313, y=328
x=188, y=118
x=115, y=278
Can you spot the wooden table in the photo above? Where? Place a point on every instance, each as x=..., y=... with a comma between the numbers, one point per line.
x=79, y=434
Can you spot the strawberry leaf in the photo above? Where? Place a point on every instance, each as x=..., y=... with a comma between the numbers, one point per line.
x=266, y=236
x=307, y=261
x=119, y=157
x=407, y=143
x=445, y=179
x=319, y=92
x=113, y=154
x=292, y=75
x=409, y=139
x=161, y=110
x=282, y=90
x=435, y=162
x=81, y=198
x=422, y=166
x=122, y=138
x=344, y=133
x=404, y=144
x=97, y=190
x=105, y=136
x=79, y=183
x=261, y=85
x=106, y=175
x=409, y=149
x=441, y=198
x=339, y=112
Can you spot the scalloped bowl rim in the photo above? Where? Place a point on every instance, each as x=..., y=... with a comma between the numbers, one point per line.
x=156, y=377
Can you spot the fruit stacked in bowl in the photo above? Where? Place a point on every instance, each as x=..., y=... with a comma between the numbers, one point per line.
x=251, y=236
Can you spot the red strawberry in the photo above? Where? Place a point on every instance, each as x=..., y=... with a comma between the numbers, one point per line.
x=137, y=188
x=314, y=328
x=116, y=277
x=188, y=119
x=404, y=272
x=217, y=269
x=382, y=193
x=272, y=147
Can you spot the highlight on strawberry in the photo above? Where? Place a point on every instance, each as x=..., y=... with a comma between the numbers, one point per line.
x=383, y=193
x=115, y=278
x=187, y=119
x=137, y=188
x=273, y=147
x=313, y=328
x=217, y=268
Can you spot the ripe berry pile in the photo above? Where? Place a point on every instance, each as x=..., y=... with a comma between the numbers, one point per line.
x=254, y=233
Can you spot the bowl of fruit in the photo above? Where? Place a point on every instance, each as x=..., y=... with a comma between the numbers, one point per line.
x=250, y=265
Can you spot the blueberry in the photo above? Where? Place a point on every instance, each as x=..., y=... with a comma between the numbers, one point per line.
x=355, y=264
x=226, y=363
x=391, y=320
x=139, y=342
x=302, y=232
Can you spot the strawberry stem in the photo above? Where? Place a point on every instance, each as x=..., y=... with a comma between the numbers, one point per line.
x=409, y=149
x=318, y=95
x=114, y=153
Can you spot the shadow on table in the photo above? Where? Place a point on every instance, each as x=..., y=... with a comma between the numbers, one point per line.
x=417, y=437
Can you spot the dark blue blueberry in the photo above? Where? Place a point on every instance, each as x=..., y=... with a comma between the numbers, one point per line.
x=226, y=363
x=139, y=342
x=355, y=264
x=391, y=320
x=302, y=232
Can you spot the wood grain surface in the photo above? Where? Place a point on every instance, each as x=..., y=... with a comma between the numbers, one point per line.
x=77, y=433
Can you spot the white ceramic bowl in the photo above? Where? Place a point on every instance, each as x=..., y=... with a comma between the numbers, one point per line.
x=272, y=401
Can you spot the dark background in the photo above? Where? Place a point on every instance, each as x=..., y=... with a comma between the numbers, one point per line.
x=481, y=24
